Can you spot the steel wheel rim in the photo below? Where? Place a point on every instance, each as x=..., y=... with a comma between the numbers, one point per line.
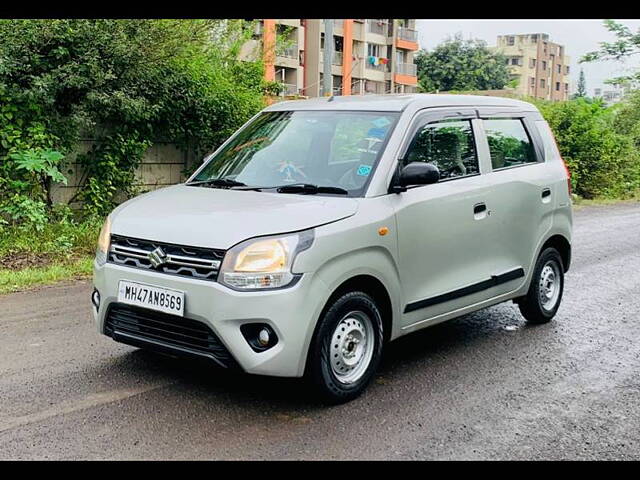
x=549, y=285
x=351, y=348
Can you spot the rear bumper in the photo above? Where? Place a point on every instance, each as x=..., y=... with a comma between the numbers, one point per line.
x=291, y=313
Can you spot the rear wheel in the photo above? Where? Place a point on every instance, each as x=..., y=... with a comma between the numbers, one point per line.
x=346, y=349
x=545, y=292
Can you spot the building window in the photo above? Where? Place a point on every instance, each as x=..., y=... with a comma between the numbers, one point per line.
x=534, y=38
x=373, y=50
x=532, y=63
x=566, y=87
x=557, y=86
x=532, y=81
x=542, y=84
x=544, y=65
x=511, y=41
x=515, y=61
x=559, y=68
x=567, y=69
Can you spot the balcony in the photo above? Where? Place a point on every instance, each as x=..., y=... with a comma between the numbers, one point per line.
x=288, y=89
x=289, y=52
x=377, y=26
x=335, y=60
x=334, y=91
x=381, y=67
x=410, y=69
x=408, y=34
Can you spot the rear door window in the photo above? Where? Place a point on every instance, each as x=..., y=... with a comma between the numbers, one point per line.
x=509, y=143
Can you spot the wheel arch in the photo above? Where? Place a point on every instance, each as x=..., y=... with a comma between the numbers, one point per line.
x=562, y=245
x=370, y=285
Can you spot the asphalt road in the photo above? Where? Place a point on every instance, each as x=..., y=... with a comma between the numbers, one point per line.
x=484, y=386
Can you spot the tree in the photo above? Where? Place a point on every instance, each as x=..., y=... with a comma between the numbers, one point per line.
x=582, y=86
x=458, y=64
x=627, y=44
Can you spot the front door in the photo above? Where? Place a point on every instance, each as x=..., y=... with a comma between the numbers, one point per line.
x=446, y=257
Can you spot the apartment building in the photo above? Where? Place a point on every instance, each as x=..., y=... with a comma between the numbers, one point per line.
x=612, y=95
x=541, y=66
x=369, y=56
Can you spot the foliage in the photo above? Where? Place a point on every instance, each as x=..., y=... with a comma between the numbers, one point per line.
x=124, y=83
x=458, y=64
x=625, y=46
x=604, y=162
x=581, y=91
x=627, y=117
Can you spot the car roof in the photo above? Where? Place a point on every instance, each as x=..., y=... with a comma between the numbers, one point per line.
x=398, y=102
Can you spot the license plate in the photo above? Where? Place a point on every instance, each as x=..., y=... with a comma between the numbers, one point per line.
x=154, y=298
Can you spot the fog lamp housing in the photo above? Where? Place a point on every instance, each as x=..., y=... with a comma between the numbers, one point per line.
x=259, y=336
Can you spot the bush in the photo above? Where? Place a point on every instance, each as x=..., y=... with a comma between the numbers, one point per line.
x=602, y=158
x=124, y=83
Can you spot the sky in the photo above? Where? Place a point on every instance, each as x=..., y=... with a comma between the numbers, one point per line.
x=578, y=37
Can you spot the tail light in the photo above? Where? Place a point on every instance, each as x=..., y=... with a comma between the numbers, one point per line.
x=566, y=168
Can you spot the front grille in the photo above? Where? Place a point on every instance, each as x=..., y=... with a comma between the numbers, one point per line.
x=148, y=328
x=196, y=262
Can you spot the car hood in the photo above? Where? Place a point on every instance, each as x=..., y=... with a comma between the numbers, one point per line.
x=220, y=218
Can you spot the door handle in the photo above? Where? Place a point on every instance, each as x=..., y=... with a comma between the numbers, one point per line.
x=546, y=192
x=480, y=211
x=479, y=208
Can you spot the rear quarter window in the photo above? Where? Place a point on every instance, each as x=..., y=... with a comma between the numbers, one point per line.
x=548, y=140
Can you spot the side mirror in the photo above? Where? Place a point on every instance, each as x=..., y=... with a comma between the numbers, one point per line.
x=417, y=173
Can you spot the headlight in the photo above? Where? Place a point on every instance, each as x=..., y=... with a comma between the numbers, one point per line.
x=103, y=242
x=263, y=263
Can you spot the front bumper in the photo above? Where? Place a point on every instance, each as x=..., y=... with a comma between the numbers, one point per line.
x=291, y=312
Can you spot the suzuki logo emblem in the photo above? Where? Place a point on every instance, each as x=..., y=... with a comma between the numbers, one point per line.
x=157, y=257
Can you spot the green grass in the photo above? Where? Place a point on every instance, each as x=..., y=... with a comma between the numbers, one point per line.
x=16, y=280
x=62, y=250
x=579, y=202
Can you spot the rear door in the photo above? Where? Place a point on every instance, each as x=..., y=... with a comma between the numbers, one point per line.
x=522, y=194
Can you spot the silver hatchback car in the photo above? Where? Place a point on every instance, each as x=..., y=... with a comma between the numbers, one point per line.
x=325, y=228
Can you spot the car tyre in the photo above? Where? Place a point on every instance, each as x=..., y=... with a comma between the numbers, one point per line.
x=545, y=291
x=346, y=349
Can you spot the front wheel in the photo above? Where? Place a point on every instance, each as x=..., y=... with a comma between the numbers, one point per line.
x=346, y=349
x=545, y=292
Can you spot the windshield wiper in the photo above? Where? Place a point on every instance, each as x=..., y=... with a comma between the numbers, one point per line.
x=310, y=189
x=219, y=182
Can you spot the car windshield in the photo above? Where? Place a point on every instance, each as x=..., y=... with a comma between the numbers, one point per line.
x=336, y=152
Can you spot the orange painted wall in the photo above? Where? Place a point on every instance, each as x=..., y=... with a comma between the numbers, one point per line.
x=269, y=49
x=405, y=79
x=407, y=45
x=347, y=56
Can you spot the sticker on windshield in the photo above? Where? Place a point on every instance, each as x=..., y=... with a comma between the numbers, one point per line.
x=377, y=132
x=381, y=122
x=364, y=170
